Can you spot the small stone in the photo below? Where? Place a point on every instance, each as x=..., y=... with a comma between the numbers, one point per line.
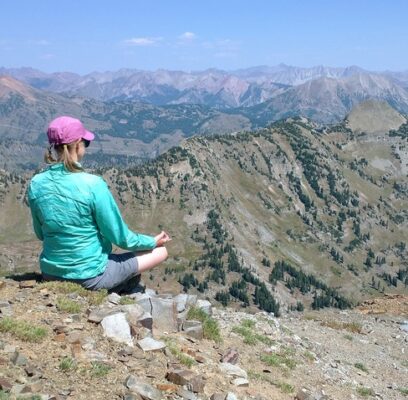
x=231, y=356
x=132, y=396
x=146, y=391
x=167, y=387
x=117, y=328
x=217, y=396
x=31, y=370
x=75, y=337
x=233, y=370
x=240, y=382
x=19, y=359
x=2, y=284
x=185, y=394
x=150, y=344
x=114, y=298
x=196, y=384
x=231, y=396
x=27, y=284
x=8, y=348
x=97, y=315
x=5, y=384
x=195, y=332
x=180, y=376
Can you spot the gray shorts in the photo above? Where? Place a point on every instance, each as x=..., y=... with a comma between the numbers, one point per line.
x=120, y=275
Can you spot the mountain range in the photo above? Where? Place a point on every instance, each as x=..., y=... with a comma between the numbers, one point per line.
x=221, y=89
x=139, y=114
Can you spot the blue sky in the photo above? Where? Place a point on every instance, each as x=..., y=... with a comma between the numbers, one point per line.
x=84, y=36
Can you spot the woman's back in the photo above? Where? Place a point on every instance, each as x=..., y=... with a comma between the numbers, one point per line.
x=63, y=204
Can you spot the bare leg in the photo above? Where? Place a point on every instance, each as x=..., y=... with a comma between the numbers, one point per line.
x=150, y=259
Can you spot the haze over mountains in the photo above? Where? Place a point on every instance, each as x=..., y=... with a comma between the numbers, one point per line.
x=139, y=114
x=283, y=86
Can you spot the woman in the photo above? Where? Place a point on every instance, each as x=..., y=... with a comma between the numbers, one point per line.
x=76, y=217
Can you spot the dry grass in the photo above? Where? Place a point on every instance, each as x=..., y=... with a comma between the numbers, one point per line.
x=353, y=327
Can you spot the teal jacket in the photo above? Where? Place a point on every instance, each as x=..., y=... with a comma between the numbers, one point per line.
x=76, y=217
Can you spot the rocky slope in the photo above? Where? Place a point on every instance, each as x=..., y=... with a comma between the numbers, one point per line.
x=60, y=342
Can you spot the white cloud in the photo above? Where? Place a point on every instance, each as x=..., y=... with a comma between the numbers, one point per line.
x=188, y=36
x=39, y=42
x=47, y=56
x=142, y=41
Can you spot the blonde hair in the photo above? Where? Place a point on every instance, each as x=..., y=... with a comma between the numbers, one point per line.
x=63, y=155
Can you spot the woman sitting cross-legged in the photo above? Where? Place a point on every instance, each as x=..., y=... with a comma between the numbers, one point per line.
x=77, y=219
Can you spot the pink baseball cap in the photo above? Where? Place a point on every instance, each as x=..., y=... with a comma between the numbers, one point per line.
x=64, y=130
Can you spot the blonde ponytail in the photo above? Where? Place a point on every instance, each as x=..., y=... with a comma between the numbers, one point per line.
x=64, y=156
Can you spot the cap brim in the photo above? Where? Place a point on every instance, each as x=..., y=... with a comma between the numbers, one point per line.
x=88, y=136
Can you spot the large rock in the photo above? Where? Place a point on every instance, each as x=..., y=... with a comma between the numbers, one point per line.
x=164, y=313
x=117, y=328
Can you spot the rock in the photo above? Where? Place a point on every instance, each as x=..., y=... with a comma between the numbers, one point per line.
x=196, y=384
x=164, y=314
x=146, y=321
x=145, y=390
x=195, y=332
x=150, y=344
x=180, y=376
x=132, y=396
x=5, y=384
x=181, y=301
x=404, y=326
x=31, y=370
x=98, y=314
x=231, y=396
x=93, y=355
x=8, y=348
x=167, y=387
x=114, y=298
x=117, y=328
x=240, y=382
x=231, y=356
x=19, y=359
x=143, y=299
x=233, y=370
x=150, y=292
x=204, y=305
x=185, y=394
x=217, y=396
x=27, y=284
x=75, y=337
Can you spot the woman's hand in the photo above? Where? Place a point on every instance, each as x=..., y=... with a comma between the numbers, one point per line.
x=162, y=238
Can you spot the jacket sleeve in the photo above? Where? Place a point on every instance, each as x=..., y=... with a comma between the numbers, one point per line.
x=36, y=222
x=111, y=224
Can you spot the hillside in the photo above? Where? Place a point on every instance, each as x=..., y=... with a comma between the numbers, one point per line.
x=301, y=216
